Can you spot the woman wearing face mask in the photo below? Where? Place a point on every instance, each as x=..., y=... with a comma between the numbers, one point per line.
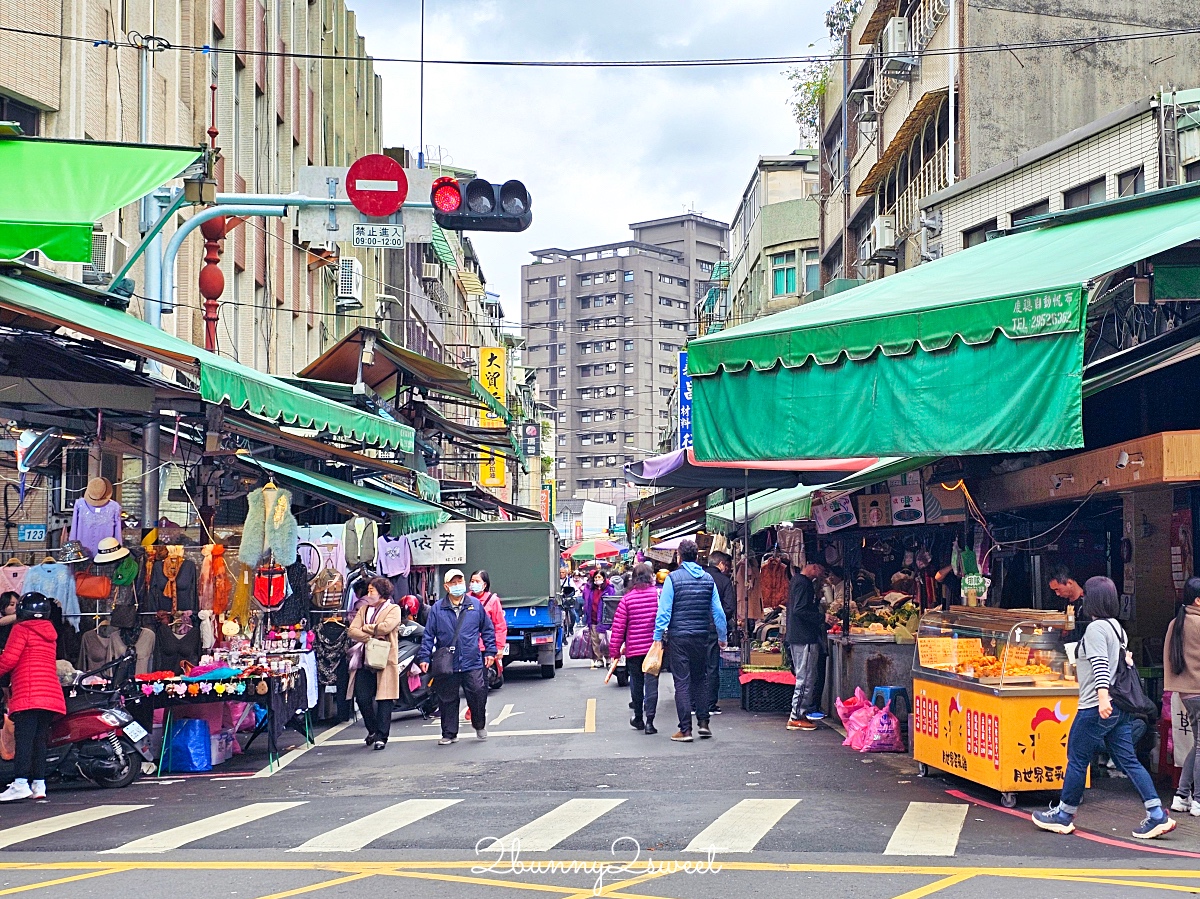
x=594, y=592
x=480, y=587
x=375, y=691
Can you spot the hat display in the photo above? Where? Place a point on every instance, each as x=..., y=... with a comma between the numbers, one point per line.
x=109, y=550
x=72, y=551
x=99, y=491
x=126, y=572
x=452, y=574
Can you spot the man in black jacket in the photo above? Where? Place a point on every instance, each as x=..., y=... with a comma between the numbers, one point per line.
x=719, y=567
x=805, y=634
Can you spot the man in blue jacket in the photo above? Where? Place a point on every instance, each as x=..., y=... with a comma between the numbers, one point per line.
x=688, y=605
x=469, y=663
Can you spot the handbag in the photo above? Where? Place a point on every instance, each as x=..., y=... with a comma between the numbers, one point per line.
x=441, y=664
x=581, y=646
x=327, y=589
x=377, y=653
x=270, y=586
x=89, y=585
x=652, y=663
x=1125, y=688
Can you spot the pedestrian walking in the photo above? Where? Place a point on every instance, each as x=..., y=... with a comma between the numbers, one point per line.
x=594, y=591
x=806, y=629
x=1181, y=664
x=456, y=625
x=719, y=567
x=480, y=587
x=688, y=604
x=1098, y=725
x=632, y=633
x=37, y=696
x=375, y=689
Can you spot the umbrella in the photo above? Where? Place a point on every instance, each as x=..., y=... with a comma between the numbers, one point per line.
x=592, y=549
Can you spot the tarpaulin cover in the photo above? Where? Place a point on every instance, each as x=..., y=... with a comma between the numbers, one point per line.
x=54, y=191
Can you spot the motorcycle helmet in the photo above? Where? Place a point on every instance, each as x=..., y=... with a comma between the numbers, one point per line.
x=32, y=606
x=410, y=604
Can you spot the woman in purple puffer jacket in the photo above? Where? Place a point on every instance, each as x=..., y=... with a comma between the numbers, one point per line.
x=594, y=592
x=633, y=631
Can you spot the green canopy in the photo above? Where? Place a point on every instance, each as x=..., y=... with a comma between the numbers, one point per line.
x=55, y=190
x=221, y=379
x=979, y=352
x=408, y=514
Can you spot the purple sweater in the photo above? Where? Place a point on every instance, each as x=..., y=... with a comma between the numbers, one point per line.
x=633, y=622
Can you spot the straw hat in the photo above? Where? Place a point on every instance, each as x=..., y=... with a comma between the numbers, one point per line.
x=109, y=550
x=99, y=491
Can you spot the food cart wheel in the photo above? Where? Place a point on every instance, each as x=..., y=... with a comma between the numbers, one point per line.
x=1008, y=800
x=922, y=769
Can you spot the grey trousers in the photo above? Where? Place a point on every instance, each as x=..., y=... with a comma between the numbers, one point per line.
x=805, y=659
x=1188, y=779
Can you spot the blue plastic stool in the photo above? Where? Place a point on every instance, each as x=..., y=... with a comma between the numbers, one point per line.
x=891, y=694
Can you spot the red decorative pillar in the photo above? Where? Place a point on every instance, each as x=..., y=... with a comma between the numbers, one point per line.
x=212, y=279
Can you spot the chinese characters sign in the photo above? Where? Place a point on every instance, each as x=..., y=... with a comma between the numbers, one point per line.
x=446, y=545
x=493, y=372
x=491, y=468
x=685, y=403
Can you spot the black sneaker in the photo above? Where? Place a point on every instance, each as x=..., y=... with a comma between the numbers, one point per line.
x=703, y=730
x=716, y=710
x=637, y=723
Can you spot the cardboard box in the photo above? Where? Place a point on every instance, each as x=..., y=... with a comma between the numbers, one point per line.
x=221, y=744
x=908, y=508
x=834, y=515
x=944, y=506
x=759, y=659
x=874, y=510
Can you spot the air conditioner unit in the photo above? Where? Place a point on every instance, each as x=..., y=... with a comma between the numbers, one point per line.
x=883, y=232
x=349, y=284
x=108, y=255
x=868, y=111
x=430, y=271
x=894, y=46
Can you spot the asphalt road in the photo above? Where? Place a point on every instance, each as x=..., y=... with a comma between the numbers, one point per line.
x=755, y=811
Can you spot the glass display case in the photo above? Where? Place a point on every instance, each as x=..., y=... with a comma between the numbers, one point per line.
x=998, y=648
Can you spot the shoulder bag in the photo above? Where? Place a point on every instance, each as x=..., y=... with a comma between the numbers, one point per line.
x=90, y=585
x=377, y=652
x=442, y=662
x=1125, y=689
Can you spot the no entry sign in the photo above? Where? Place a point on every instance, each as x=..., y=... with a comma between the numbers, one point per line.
x=376, y=185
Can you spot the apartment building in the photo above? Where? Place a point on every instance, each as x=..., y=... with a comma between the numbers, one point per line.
x=604, y=327
x=904, y=115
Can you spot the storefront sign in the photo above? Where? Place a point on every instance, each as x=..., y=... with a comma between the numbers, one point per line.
x=492, y=468
x=909, y=507
x=874, y=510
x=446, y=545
x=685, y=403
x=493, y=373
x=544, y=502
x=833, y=515
x=31, y=533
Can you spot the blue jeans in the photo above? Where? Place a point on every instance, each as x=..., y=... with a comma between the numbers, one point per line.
x=1089, y=734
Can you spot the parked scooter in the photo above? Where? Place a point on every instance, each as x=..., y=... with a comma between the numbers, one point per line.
x=422, y=699
x=97, y=740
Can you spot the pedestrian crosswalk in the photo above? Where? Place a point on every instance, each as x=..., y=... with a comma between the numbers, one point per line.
x=462, y=824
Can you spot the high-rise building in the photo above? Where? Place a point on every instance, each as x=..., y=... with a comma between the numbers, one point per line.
x=604, y=327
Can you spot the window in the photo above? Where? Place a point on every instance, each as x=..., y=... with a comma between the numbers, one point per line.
x=812, y=270
x=627, y=345
x=610, y=368
x=585, y=462
x=562, y=371
x=669, y=347
x=628, y=366
x=628, y=438
x=628, y=276
x=610, y=277
x=562, y=303
x=628, y=321
x=682, y=282
x=608, y=482
x=562, y=485
x=629, y=460
x=705, y=267
x=629, y=390
x=610, y=322
x=610, y=300
x=562, y=439
x=682, y=304
x=562, y=418
x=1131, y=182
x=665, y=279
x=562, y=280
x=628, y=299
x=582, y=484
x=610, y=391
x=585, y=439
x=1191, y=172
x=973, y=237
x=610, y=460
x=610, y=346
x=25, y=116
x=585, y=371
x=663, y=301
x=663, y=413
x=585, y=348
x=585, y=418
x=1084, y=194
x=585, y=302
x=1033, y=209
x=666, y=369
x=560, y=460
x=585, y=280
x=628, y=414
x=665, y=391
x=783, y=274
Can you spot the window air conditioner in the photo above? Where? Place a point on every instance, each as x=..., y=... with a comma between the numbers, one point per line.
x=894, y=46
x=430, y=271
x=108, y=255
x=883, y=232
x=349, y=284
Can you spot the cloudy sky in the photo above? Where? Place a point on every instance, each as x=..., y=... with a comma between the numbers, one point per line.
x=598, y=149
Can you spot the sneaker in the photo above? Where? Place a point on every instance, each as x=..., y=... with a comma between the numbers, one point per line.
x=818, y=715
x=379, y=744
x=1181, y=803
x=800, y=724
x=1149, y=829
x=704, y=730
x=38, y=788
x=1194, y=810
x=681, y=736
x=716, y=710
x=637, y=723
x=1054, y=820
x=446, y=741
x=370, y=740
x=481, y=734
x=19, y=789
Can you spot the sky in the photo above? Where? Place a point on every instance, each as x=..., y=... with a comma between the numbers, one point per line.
x=597, y=149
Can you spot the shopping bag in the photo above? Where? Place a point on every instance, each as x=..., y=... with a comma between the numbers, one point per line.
x=581, y=646
x=8, y=740
x=189, y=748
x=856, y=727
x=652, y=663
x=883, y=732
x=851, y=705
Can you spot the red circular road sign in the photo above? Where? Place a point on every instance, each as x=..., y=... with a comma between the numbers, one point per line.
x=376, y=185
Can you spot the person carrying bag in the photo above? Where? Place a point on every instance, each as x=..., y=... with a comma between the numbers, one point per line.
x=375, y=683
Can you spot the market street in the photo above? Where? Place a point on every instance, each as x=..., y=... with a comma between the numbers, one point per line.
x=780, y=810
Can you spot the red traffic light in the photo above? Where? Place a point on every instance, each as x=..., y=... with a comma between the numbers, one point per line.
x=445, y=195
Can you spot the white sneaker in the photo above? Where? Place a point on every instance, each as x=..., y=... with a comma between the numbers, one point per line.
x=1194, y=811
x=481, y=734
x=37, y=789
x=16, y=790
x=1180, y=803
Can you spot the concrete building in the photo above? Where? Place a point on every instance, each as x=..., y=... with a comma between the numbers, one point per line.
x=893, y=132
x=604, y=328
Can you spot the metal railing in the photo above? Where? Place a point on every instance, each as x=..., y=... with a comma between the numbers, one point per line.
x=922, y=26
x=932, y=177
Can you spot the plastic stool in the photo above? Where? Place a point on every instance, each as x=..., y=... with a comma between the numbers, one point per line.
x=891, y=694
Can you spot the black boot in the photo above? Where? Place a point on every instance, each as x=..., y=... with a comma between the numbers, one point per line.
x=650, y=728
x=637, y=723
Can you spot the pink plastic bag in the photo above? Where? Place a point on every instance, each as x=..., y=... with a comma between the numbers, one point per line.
x=414, y=682
x=851, y=705
x=857, y=725
x=883, y=732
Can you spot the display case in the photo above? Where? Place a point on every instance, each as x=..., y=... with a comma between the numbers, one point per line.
x=994, y=695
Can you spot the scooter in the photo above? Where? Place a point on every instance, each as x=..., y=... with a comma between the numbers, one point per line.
x=422, y=699
x=97, y=740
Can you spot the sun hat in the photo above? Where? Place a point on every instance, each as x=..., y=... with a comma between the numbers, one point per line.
x=109, y=550
x=99, y=491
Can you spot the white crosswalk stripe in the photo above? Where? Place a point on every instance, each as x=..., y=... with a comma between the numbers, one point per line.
x=544, y=833
x=176, y=837
x=741, y=828
x=928, y=828
x=56, y=823
x=360, y=833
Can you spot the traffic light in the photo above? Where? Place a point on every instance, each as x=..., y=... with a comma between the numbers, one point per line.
x=479, y=205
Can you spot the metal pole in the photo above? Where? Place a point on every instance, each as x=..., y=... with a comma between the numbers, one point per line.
x=153, y=304
x=952, y=169
x=421, y=98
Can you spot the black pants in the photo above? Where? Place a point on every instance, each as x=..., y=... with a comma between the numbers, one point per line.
x=689, y=668
x=643, y=689
x=376, y=713
x=712, y=674
x=447, y=688
x=32, y=732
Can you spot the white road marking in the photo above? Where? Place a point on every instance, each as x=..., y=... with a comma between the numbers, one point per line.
x=468, y=736
x=363, y=831
x=740, y=828
x=505, y=713
x=928, y=828
x=176, y=837
x=46, y=826
x=288, y=757
x=544, y=833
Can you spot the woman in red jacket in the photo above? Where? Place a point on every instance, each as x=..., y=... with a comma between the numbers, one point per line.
x=633, y=630
x=481, y=588
x=37, y=696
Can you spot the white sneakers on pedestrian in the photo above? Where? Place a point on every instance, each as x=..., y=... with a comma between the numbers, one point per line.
x=446, y=741
x=1185, y=804
x=481, y=734
x=37, y=789
x=18, y=789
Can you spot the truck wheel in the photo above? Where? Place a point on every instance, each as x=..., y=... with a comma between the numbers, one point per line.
x=622, y=678
x=548, y=672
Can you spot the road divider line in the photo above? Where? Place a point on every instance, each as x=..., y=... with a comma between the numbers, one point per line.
x=60, y=880
x=47, y=826
x=928, y=828
x=544, y=833
x=741, y=828
x=358, y=834
x=425, y=738
x=589, y=717
x=316, y=887
x=176, y=837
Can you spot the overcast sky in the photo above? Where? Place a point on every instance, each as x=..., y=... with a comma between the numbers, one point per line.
x=597, y=149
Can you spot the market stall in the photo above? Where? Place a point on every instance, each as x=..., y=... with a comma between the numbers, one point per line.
x=994, y=694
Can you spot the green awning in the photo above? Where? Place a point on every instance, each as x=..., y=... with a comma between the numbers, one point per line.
x=221, y=379
x=430, y=488
x=441, y=247
x=978, y=352
x=55, y=190
x=407, y=513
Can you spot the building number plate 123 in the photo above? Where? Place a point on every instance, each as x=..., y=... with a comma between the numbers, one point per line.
x=31, y=533
x=379, y=236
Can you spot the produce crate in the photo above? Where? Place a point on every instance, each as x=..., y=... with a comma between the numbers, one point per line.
x=766, y=697
x=761, y=659
x=731, y=687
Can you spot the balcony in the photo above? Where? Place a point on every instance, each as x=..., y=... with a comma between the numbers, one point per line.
x=923, y=24
x=931, y=178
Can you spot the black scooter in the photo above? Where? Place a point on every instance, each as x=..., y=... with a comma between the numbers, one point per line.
x=422, y=699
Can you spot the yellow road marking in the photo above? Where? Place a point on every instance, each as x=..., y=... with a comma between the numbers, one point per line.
x=617, y=887
x=589, y=719
x=936, y=887
x=481, y=881
x=52, y=883
x=314, y=887
x=1169, y=887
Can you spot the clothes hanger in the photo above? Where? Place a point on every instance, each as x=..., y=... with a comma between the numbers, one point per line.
x=13, y=561
x=50, y=559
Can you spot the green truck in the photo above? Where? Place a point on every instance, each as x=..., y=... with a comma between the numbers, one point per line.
x=522, y=559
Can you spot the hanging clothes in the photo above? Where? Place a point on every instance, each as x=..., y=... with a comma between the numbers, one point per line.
x=358, y=541
x=176, y=643
x=12, y=577
x=90, y=524
x=55, y=580
x=394, y=555
x=174, y=586
x=327, y=540
x=270, y=527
